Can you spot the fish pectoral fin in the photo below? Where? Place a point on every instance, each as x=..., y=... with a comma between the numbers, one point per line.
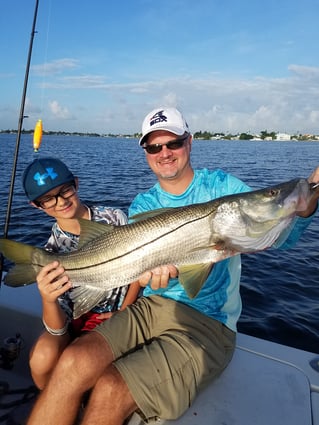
x=84, y=299
x=91, y=230
x=192, y=277
x=218, y=246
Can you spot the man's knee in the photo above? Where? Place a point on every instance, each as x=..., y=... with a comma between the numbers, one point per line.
x=110, y=381
x=86, y=356
x=111, y=390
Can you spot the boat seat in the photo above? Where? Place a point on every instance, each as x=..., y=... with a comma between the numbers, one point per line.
x=253, y=390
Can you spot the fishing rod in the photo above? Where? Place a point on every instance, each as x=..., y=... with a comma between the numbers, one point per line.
x=17, y=146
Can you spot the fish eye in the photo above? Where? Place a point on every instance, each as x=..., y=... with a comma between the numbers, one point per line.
x=273, y=192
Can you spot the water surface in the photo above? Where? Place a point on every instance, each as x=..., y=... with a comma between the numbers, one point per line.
x=280, y=289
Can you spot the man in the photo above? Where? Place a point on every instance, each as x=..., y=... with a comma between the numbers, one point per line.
x=156, y=355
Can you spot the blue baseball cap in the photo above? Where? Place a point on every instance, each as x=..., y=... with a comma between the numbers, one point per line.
x=43, y=175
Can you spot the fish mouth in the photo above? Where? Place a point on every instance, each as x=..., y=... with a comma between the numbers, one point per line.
x=298, y=200
x=279, y=201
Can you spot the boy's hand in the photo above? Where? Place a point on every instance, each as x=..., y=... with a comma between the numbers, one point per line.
x=52, y=282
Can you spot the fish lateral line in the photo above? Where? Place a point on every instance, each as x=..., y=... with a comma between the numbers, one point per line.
x=136, y=248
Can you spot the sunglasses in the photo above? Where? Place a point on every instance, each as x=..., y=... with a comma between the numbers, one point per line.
x=172, y=145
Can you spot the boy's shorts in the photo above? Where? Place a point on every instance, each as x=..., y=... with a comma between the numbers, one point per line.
x=84, y=323
x=166, y=352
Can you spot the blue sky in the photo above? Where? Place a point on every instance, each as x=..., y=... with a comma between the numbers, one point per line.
x=100, y=66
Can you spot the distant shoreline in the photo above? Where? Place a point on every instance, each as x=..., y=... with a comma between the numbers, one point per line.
x=199, y=135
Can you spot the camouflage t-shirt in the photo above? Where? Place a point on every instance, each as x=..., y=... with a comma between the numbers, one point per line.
x=61, y=241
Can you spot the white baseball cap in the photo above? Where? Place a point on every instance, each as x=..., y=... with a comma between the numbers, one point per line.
x=169, y=119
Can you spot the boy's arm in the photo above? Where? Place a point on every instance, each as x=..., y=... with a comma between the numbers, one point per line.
x=131, y=294
x=130, y=298
x=52, y=283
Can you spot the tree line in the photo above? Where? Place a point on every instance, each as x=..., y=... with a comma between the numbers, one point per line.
x=204, y=135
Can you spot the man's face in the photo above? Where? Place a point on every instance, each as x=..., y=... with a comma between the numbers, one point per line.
x=169, y=164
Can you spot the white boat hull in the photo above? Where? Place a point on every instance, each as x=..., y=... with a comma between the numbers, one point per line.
x=265, y=383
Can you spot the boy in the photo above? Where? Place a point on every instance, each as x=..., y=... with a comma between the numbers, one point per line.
x=51, y=187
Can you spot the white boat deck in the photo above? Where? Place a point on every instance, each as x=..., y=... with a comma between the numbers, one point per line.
x=265, y=383
x=257, y=390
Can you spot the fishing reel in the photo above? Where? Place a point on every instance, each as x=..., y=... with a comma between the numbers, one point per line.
x=10, y=351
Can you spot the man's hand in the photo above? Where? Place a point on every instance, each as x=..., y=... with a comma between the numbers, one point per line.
x=158, y=277
x=313, y=203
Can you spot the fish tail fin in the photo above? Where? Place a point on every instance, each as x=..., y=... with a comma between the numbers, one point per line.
x=20, y=275
x=23, y=273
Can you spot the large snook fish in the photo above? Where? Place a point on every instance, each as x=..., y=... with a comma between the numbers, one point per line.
x=192, y=237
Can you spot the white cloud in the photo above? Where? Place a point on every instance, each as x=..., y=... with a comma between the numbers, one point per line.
x=59, y=111
x=55, y=67
x=211, y=102
x=305, y=71
x=77, y=82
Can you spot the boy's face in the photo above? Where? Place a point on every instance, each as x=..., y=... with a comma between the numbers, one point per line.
x=60, y=202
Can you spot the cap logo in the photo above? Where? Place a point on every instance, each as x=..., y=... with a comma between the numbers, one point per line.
x=41, y=178
x=158, y=117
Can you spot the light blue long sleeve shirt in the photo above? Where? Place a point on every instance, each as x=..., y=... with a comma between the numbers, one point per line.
x=219, y=297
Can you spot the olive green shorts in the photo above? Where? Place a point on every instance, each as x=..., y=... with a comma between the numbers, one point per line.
x=166, y=352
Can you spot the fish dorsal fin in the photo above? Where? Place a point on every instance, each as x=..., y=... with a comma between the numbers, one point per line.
x=91, y=230
x=192, y=277
x=149, y=214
